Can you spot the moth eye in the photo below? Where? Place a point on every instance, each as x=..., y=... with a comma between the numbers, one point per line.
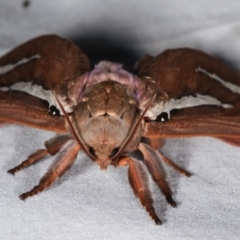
x=114, y=152
x=92, y=152
x=54, y=111
x=162, y=117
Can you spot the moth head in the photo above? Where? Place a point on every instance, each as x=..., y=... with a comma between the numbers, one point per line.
x=103, y=120
x=104, y=154
x=107, y=122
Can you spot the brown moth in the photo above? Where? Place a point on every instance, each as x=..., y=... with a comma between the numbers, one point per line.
x=110, y=114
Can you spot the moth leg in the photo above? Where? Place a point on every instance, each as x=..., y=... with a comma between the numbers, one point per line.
x=33, y=158
x=64, y=160
x=156, y=144
x=53, y=145
x=139, y=182
x=122, y=162
x=173, y=165
x=157, y=171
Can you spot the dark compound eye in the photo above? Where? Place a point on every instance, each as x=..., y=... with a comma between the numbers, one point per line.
x=54, y=111
x=92, y=152
x=114, y=152
x=162, y=117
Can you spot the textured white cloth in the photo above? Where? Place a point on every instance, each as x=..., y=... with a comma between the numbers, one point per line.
x=88, y=203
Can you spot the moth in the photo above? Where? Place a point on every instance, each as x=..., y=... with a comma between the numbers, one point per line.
x=116, y=117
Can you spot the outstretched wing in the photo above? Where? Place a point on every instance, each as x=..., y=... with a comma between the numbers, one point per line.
x=21, y=108
x=36, y=70
x=200, y=95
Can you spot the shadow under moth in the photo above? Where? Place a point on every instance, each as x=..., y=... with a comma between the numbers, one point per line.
x=110, y=113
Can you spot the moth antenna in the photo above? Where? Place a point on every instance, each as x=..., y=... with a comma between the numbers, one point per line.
x=73, y=131
x=134, y=129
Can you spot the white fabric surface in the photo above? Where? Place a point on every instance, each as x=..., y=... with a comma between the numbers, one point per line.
x=87, y=203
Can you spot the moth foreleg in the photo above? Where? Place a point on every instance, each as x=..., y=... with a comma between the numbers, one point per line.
x=33, y=158
x=155, y=143
x=173, y=165
x=157, y=171
x=64, y=160
x=53, y=145
x=139, y=182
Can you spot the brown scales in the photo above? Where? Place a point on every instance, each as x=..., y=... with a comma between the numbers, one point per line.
x=63, y=68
